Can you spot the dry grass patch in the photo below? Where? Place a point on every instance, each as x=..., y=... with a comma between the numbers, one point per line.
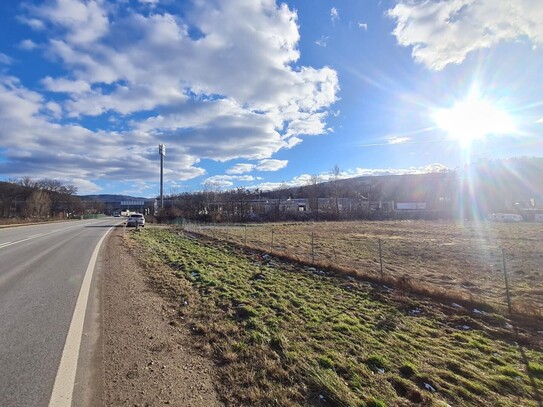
x=285, y=334
x=462, y=259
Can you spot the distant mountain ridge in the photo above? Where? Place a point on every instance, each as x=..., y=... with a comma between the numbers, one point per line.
x=111, y=198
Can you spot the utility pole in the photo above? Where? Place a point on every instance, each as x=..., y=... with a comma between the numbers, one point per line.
x=162, y=152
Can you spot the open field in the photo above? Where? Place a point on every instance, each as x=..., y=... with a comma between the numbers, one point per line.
x=461, y=259
x=284, y=334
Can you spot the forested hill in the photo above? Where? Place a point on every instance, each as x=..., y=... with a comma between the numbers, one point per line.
x=110, y=198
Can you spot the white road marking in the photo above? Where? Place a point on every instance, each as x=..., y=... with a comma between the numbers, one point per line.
x=6, y=244
x=65, y=379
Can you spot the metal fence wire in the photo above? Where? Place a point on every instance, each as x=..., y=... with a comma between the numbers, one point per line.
x=476, y=268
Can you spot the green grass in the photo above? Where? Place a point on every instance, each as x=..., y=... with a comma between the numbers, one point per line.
x=284, y=335
x=461, y=260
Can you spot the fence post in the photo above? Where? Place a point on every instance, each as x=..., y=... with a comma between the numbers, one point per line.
x=271, y=246
x=506, y=282
x=245, y=239
x=381, y=258
x=313, y=247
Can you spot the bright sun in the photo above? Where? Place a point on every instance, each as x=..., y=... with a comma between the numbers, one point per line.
x=473, y=118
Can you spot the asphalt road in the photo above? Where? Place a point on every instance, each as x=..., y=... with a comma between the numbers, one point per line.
x=42, y=268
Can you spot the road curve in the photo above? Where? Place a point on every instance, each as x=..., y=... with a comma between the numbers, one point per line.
x=42, y=268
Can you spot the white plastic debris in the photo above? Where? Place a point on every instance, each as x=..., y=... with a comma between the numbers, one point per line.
x=415, y=311
x=508, y=325
x=465, y=327
x=475, y=310
x=455, y=305
x=380, y=371
x=429, y=387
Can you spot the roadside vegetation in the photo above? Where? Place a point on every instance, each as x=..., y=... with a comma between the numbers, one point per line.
x=286, y=334
x=463, y=260
x=28, y=200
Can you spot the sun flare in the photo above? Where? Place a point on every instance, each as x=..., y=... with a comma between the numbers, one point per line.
x=474, y=118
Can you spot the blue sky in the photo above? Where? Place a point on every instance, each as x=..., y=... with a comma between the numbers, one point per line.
x=256, y=93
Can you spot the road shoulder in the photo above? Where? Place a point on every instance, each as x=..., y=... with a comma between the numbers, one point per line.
x=147, y=355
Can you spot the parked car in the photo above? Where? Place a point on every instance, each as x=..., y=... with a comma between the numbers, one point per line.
x=136, y=219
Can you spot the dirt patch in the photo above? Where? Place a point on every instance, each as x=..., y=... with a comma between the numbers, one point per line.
x=148, y=359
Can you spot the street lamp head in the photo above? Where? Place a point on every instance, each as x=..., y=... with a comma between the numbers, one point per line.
x=162, y=149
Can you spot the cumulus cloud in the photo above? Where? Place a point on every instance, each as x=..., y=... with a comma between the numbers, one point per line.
x=428, y=169
x=241, y=168
x=445, y=32
x=263, y=165
x=206, y=82
x=36, y=145
x=84, y=187
x=28, y=45
x=65, y=85
x=271, y=165
x=334, y=14
x=83, y=22
x=227, y=181
x=363, y=26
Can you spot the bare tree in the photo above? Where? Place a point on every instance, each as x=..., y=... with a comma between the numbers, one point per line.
x=38, y=205
x=313, y=194
x=26, y=182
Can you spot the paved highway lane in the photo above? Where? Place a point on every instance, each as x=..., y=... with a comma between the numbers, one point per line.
x=42, y=268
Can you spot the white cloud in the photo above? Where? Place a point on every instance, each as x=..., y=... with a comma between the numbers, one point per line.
x=65, y=85
x=28, y=45
x=54, y=109
x=227, y=181
x=84, y=22
x=540, y=120
x=34, y=145
x=445, y=32
x=363, y=26
x=34, y=23
x=271, y=165
x=234, y=90
x=241, y=168
x=431, y=168
x=334, y=14
x=306, y=179
x=84, y=187
x=262, y=165
x=5, y=59
x=398, y=140
x=322, y=41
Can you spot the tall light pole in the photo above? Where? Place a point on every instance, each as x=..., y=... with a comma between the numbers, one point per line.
x=162, y=152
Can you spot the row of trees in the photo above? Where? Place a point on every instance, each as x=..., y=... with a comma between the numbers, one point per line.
x=41, y=198
x=513, y=186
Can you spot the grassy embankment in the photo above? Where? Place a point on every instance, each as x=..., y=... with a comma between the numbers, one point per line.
x=462, y=260
x=286, y=335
